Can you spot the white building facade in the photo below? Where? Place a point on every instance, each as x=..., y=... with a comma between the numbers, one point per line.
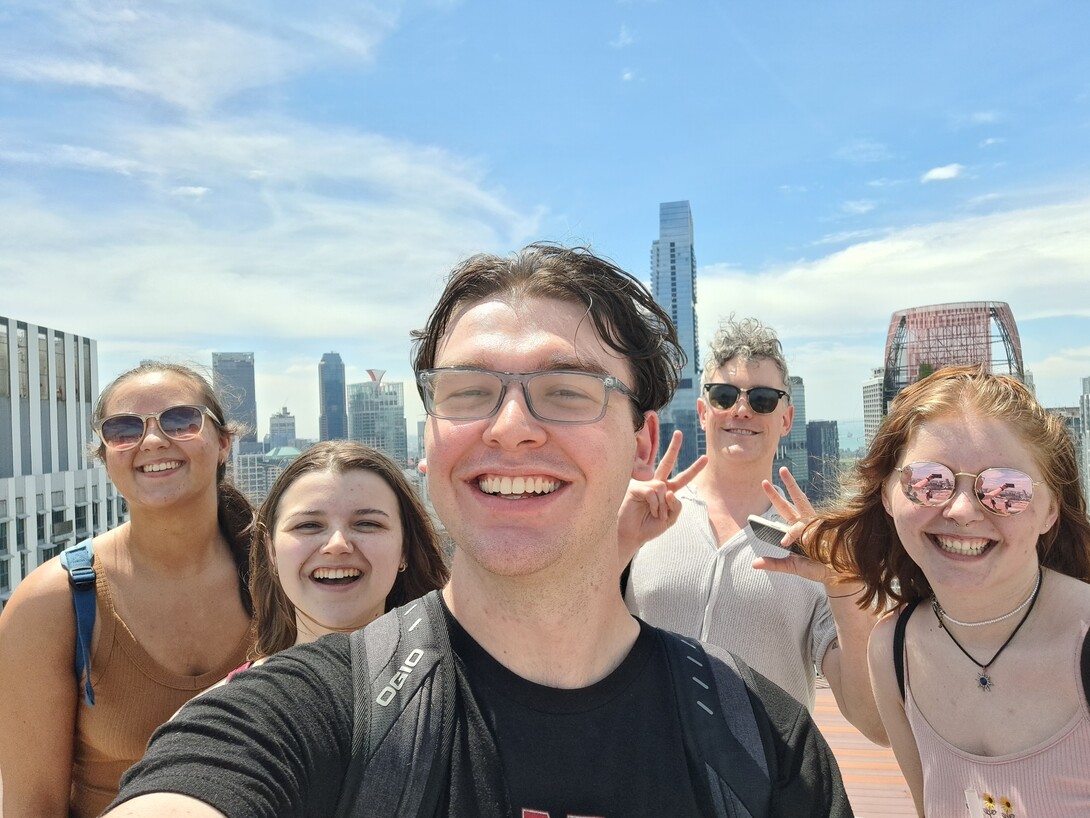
x=52, y=493
x=872, y=404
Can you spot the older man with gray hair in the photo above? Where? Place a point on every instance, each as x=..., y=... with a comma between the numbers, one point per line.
x=701, y=577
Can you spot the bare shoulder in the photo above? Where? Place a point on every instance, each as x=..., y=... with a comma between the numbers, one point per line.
x=880, y=649
x=42, y=602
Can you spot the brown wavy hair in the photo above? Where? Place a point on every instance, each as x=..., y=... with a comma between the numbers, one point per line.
x=857, y=537
x=619, y=306
x=426, y=570
x=233, y=511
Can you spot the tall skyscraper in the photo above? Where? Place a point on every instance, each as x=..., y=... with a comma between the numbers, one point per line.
x=792, y=451
x=673, y=286
x=332, y=422
x=823, y=452
x=233, y=380
x=376, y=416
x=52, y=494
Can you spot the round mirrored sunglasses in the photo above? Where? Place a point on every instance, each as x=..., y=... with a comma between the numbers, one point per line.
x=999, y=490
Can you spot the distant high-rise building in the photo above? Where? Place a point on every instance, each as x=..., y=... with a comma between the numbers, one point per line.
x=333, y=420
x=823, y=452
x=923, y=339
x=233, y=380
x=873, y=407
x=281, y=430
x=1084, y=415
x=376, y=416
x=673, y=286
x=253, y=474
x=1072, y=416
x=52, y=494
x=792, y=450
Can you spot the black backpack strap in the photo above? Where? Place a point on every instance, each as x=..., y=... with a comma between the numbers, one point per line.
x=899, y=643
x=720, y=727
x=78, y=561
x=404, y=689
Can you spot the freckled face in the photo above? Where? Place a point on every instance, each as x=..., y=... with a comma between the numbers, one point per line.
x=337, y=545
x=961, y=545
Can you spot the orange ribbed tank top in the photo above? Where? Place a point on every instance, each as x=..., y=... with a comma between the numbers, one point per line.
x=133, y=696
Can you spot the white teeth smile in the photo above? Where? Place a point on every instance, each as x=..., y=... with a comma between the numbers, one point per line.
x=970, y=547
x=517, y=485
x=741, y=432
x=153, y=467
x=336, y=573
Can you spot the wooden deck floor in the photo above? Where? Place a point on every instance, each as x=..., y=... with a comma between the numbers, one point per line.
x=874, y=783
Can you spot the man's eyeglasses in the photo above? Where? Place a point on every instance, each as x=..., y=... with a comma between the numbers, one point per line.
x=183, y=422
x=999, y=490
x=761, y=399
x=552, y=395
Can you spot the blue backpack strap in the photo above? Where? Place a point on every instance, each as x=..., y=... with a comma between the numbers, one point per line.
x=720, y=727
x=78, y=561
x=404, y=688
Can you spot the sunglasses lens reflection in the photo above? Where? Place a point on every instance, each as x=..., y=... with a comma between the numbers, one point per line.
x=181, y=422
x=1000, y=491
x=927, y=484
x=723, y=396
x=763, y=400
x=1004, y=491
x=122, y=431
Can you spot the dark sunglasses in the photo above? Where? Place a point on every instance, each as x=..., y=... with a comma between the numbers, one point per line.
x=999, y=490
x=124, y=431
x=761, y=399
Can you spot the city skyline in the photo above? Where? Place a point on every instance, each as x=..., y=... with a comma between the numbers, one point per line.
x=304, y=180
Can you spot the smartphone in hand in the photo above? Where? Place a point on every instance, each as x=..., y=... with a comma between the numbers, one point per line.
x=771, y=531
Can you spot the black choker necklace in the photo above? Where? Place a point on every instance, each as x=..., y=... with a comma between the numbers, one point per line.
x=983, y=680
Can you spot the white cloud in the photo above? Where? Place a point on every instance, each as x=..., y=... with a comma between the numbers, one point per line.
x=190, y=191
x=627, y=75
x=884, y=182
x=833, y=311
x=857, y=207
x=942, y=174
x=624, y=39
x=990, y=141
x=190, y=56
x=864, y=151
x=846, y=236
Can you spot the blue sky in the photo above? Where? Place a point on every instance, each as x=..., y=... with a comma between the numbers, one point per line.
x=290, y=179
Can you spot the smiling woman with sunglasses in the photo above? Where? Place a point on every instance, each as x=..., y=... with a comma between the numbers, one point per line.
x=173, y=611
x=969, y=503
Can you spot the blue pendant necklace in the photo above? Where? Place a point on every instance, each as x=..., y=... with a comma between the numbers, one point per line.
x=983, y=680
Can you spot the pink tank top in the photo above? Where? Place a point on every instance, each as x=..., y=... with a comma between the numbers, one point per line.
x=1049, y=780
